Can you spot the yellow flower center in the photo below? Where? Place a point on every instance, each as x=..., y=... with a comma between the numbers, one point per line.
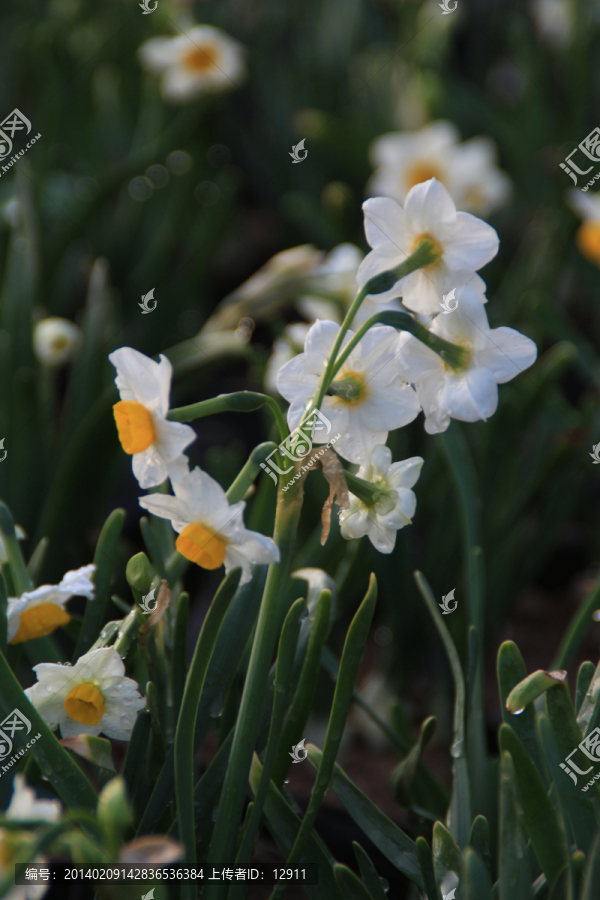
x=421, y=170
x=436, y=244
x=201, y=545
x=351, y=388
x=135, y=426
x=85, y=704
x=588, y=241
x=200, y=59
x=39, y=621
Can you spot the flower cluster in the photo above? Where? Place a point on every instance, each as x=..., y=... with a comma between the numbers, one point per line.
x=211, y=532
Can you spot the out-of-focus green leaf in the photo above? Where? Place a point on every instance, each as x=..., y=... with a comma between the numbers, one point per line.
x=589, y=712
x=479, y=840
x=96, y=750
x=104, y=560
x=543, y=825
x=350, y=887
x=425, y=857
x=475, y=884
x=591, y=878
x=578, y=628
x=584, y=679
x=404, y=774
x=387, y=837
x=446, y=852
x=514, y=878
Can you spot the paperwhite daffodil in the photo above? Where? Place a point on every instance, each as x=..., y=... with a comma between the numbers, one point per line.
x=24, y=805
x=91, y=697
x=462, y=242
x=211, y=531
x=587, y=207
x=368, y=397
x=15, y=845
x=467, y=170
x=203, y=60
x=494, y=356
x=56, y=341
x=39, y=612
x=144, y=432
x=392, y=508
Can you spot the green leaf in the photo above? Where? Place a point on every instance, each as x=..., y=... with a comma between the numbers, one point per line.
x=350, y=887
x=18, y=569
x=104, y=560
x=581, y=808
x=136, y=751
x=184, y=734
x=541, y=820
x=179, y=655
x=591, y=878
x=578, y=627
x=301, y=704
x=352, y=654
x=425, y=857
x=514, y=877
x=369, y=874
x=589, y=713
x=511, y=670
x=584, y=679
x=284, y=824
x=237, y=490
x=459, y=815
x=479, y=840
x=475, y=884
x=387, y=837
x=446, y=852
x=532, y=687
x=403, y=776
x=96, y=750
x=3, y=614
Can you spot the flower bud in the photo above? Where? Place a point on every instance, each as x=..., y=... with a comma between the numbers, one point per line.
x=56, y=341
x=114, y=811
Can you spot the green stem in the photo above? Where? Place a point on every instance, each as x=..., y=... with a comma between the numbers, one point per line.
x=186, y=722
x=577, y=630
x=272, y=612
x=366, y=491
x=238, y=488
x=240, y=401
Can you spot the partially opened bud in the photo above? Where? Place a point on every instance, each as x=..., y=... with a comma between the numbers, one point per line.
x=56, y=341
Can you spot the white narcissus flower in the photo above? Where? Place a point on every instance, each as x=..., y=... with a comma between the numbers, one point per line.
x=392, y=509
x=39, y=612
x=463, y=244
x=144, y=432
x=494, y=356
x=587, y=207
x=202, y=60
x=467, y=170
x=24, y=805
x=285, y=347
x=211, y=531
x=55, y=341
x=372, y=398
x=93, y=696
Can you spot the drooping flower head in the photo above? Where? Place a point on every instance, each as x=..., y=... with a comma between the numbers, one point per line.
x=39, y=612
x=368, y=397
x=145, y=434
x=468, y=170
x=494, y=356
x=203, y=60
x=462, y=243
x=91, y=697
x=211, y=531
x=392, y=507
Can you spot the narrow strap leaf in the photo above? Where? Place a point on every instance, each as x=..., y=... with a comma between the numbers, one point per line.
x=425, y=858
x=350, y=886
x=514, y=877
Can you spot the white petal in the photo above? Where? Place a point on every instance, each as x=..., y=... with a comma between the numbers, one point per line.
x=507, y=354
x=172, y=438
x=141, y=379
x=159, y=53
x=167, y=507
x=472, y=244
x=319, y=341
x=471, y=396
x=353, y=522
x=385, y=224
x=405, y=474
x=382, y=537
x=385, y=410
x=149, y=468
x=430, y=208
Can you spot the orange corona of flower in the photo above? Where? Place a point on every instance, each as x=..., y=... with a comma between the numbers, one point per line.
x=200, y=545
x=135, y=426
x=588, y=240
x=39, y=621
x=85, y=704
